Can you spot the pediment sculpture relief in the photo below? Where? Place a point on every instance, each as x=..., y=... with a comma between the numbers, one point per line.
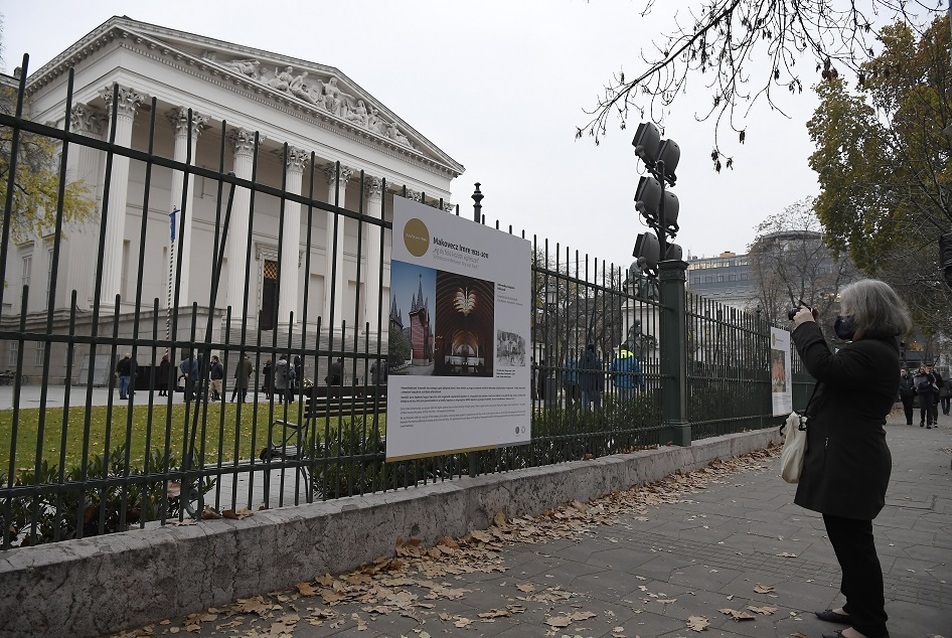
x=327, y=95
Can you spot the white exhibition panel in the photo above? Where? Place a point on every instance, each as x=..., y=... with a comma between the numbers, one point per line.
x=467, y=385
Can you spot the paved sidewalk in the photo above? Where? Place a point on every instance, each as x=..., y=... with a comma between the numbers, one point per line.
x=735, y=543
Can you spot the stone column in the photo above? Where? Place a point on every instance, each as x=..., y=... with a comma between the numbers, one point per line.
x=85, y=164
x=186, y=140
x=237, y=239
x=291, y=240
x=334, y=279
x=115, y=209
x=372, y=300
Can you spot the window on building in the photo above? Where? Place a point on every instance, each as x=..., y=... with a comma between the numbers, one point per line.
x=13, y=352
x=40, y=351
x=49, y=277
x=27, y=269
x=732, y=277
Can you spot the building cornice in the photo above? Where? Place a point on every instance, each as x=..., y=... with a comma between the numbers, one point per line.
x=126, y=33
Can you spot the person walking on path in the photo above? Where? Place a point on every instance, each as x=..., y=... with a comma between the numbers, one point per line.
x=268, y=383
x=906, y=394
x=125, y=371
x=945, y=396
x=217, y=374
x=626, y=374
x=165, y=370
x=590, y=379
x=847, y=463
x=243, y=372
x=926, y=384
x=279, y=378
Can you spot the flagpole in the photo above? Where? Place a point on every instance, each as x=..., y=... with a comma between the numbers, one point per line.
x=168, y=314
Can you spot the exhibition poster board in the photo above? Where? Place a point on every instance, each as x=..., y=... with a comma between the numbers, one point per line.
x=459, y=349
x=781, y=372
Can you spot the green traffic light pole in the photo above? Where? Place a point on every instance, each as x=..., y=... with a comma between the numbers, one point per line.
x=672, y=277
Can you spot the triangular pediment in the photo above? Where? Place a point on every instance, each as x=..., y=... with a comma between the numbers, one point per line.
x=324, y=92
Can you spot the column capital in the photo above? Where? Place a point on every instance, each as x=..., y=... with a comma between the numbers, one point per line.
x=330, y=170
x=297, y=159
x=179, y=119
x=449, y=208
x=244, y=141
x=128, y=100
x=87, y=120
x=416, y=196
x=373, y=187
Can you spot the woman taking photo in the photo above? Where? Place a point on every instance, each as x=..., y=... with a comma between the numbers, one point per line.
x=847, y=463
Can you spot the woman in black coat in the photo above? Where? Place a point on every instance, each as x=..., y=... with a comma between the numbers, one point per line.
x=847, y=463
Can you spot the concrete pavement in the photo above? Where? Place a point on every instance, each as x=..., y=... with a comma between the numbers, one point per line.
x=699, y=549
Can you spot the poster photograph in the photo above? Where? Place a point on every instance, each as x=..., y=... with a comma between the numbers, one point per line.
x=781, y=381
x=459, y=334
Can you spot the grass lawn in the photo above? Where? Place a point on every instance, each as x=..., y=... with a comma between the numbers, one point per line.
x=145, y=428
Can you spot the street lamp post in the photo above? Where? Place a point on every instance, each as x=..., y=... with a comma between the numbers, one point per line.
x=657, y=257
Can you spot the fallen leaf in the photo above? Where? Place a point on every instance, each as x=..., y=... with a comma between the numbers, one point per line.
x=765, y=611
x=698, y=623
x=558, y=621
x=763, y=589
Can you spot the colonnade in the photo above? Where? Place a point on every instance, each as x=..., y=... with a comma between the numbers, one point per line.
x=86, y=164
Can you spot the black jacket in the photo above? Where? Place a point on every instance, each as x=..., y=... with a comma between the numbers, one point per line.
x=847, y=464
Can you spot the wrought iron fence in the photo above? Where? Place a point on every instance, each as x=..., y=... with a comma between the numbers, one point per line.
x=82, y=453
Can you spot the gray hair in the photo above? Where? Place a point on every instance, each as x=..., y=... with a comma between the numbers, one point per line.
x=877, y=310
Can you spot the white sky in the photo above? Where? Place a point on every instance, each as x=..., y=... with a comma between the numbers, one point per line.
x=500, y=86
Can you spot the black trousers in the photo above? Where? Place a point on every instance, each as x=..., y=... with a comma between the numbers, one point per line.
x=907, y=408
x=862, y=582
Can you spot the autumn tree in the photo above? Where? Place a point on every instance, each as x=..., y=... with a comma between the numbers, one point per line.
x=789, y=262
x=38, y=189
x=742, y=52
x=885, y=167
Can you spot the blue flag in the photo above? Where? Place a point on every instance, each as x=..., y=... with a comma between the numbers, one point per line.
x=172, y=221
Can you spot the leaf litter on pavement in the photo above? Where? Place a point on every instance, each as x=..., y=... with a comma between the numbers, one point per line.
x=408, y=582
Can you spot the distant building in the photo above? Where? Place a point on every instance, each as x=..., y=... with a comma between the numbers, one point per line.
x=725, y=278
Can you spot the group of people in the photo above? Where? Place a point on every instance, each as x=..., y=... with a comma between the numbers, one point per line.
x=583, y=379
x=190, y=373
x=930, y=388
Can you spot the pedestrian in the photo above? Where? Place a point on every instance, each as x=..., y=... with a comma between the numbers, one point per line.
x=570, y=388
x=165, y=370
x=295, y=370
x=279, y=378
x=945, y=395
x=926, y=385
x=626, y=374
x=216, y=372
x=379, y=371
x=243, y=372
x=591, y=382
x=906, y=393
x=189, y=367
x=125, y=371
x=335, y=373
x=268, y=374
x=847, y=463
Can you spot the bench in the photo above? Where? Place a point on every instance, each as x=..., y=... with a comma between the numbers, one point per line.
x=288, y=441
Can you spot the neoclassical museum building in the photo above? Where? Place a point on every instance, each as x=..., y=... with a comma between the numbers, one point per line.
x=284, y=124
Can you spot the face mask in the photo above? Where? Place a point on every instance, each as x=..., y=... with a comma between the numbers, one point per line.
x=844, y=328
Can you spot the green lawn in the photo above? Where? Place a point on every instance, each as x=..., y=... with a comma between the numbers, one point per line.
x=144, y=427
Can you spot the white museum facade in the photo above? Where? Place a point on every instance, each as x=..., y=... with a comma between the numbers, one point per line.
x=282, y=123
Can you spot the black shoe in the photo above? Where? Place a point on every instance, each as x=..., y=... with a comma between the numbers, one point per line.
x=828, y=615
x=928, y=427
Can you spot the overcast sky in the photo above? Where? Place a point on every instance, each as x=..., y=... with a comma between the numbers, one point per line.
x=500, y=85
